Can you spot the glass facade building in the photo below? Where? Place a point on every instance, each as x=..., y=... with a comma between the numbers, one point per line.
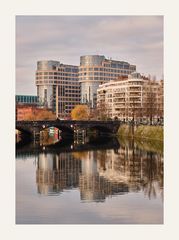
x=58, y=87
x=95, y=70
x=27, y=99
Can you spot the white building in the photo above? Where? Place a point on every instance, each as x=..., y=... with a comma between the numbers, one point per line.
x=134, y=97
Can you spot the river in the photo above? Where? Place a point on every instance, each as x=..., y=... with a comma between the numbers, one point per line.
x=103, y=181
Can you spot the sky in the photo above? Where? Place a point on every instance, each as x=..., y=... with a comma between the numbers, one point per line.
x=135, y=39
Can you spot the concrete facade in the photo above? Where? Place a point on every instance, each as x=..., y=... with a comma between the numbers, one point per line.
x=132, y=97
x=58, y=87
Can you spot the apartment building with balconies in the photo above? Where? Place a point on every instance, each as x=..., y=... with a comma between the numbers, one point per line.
x=131, y=98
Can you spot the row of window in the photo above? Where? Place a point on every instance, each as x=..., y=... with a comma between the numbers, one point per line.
x=63, y=78
x=116, y=65
x=103, y=74
x=105, y=69
x=71, y=91
x=70, y=69
x=72, y=87
x=53, y=75
x=27, y=99
x=73, y=98
x=92, y=78
x=123, y=90
x=41, y=76
x=68, y=103
x=97, y=78
x=57, y=73
x=75, y=83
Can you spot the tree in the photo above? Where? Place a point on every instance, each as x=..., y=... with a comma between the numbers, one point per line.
x=80, y=112
x=150, y=105
x=39, y=114
x=102, y=111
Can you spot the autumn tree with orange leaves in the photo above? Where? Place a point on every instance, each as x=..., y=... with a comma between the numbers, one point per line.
x=40, y=114
x=80, y=112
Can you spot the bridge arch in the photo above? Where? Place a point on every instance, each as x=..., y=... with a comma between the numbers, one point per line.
x=100, y=129
x=25, y=131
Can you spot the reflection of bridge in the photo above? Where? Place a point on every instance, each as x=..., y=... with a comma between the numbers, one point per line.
x=29, y=149
x=68, y=127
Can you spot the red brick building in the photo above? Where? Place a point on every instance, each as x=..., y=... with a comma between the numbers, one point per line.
x=24, y=110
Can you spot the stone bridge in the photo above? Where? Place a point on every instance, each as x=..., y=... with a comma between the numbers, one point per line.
x=68, y=127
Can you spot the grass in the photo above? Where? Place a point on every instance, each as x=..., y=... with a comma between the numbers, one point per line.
x=142, y=132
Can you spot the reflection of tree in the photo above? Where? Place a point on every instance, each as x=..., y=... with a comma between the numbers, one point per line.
x=80, y=155
x=153, y=176
x=144, y=169
x=102, y=159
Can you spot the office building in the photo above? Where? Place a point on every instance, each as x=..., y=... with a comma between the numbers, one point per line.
x=27, y=99
x=95, y=70
x=58, y=87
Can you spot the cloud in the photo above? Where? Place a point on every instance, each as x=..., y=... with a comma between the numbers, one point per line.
x=136, y=39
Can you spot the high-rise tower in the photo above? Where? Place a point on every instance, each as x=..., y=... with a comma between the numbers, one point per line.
x=58, y=87
x=95, y=70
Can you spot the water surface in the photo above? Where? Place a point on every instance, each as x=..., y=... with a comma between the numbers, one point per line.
x=105, y=181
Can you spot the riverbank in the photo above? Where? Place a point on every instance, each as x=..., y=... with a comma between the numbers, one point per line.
x=148, y=145
x=142, y=132
x=149, y=138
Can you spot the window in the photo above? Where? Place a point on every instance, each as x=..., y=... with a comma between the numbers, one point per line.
x=126, y=66
x=113, y=65
x=45, y=93
x=68, y=69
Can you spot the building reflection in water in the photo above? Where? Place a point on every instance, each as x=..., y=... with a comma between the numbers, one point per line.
x=57, y=172
x=101, y=173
